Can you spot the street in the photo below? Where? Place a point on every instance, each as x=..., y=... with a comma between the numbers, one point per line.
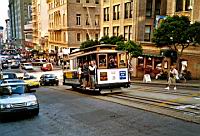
x=64, y=112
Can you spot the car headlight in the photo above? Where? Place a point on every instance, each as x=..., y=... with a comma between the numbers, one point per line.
x=5, y=106
x=30, y=103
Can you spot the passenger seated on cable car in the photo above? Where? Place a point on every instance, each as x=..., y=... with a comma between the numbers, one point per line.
x=112, y=63
x=121, y=63
x=102, y=63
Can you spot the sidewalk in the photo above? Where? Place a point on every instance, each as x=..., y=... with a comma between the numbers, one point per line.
x=189, y=84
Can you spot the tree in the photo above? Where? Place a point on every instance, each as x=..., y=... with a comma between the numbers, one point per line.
x=111, y=40
x=133, y=49
x=178, y=34
x=89, y=43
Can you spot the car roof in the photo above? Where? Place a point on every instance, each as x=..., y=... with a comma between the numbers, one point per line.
x=8, y=73
x=12, y=82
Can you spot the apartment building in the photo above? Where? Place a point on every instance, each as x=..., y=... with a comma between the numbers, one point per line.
x=71, y=22
x=190, y=8
x=20, y=15
x=40, y=24
x=137, y=19
x=133, y=19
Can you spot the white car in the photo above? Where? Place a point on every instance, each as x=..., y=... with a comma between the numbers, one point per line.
x=17, y=98
x=27, y=66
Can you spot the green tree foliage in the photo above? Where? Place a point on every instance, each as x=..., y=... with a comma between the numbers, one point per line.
x=89, y=43
x=134, y=49
x=177, y=33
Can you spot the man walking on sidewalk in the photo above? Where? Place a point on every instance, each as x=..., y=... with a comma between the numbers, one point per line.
x=173, y=76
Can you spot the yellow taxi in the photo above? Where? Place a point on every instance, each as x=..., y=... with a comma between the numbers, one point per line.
x=31, y=81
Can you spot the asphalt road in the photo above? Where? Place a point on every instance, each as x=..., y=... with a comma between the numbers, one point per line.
x=68, y=113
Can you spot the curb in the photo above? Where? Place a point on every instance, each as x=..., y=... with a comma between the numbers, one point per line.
x=180, y=85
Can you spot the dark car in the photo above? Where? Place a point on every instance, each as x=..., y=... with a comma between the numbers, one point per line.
x=16, y=98
x=49, y=79
x=15, y=64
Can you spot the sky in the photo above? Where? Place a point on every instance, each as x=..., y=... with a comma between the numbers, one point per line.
x=3, y=12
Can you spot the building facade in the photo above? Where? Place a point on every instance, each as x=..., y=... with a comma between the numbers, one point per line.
x=8, y=31
x=20, y=15
x=71, y=22
x=40, y=24
x=136, y=20
x=1, y=36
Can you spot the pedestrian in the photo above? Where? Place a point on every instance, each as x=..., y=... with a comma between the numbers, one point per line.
x=85, y=74
x=173, y=76
x=92, y=70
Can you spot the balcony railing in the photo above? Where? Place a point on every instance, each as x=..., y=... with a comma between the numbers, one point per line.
x=89, y=5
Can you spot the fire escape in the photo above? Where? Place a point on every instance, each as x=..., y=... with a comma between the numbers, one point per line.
x=90, y=5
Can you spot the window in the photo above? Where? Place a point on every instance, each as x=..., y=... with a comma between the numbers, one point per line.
x=96, y=20
x=102, y=63
x=122, y=60
x=149, y=8
x=78, y=37
x=106, y=14
x=78, y=1
x=96, y=36
x=128, y=10
x=78, y=19
x=116, y=31
x=157, y=7
x=87, y=37
x=112, y=60
x=87, y=1
x=87, y=20
x=106, y=31
x=147, y=34
x=116, y=11
x=127, y=33
x=179, y=5
x=96, y=1
x=63, y=19
x=64, y=37
x=187, y=5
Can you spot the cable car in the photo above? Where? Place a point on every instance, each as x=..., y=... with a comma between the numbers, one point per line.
x=110, y=68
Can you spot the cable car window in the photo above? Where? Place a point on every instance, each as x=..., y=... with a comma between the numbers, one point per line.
x=122, y=60
x=102, y=61
x=112, y=61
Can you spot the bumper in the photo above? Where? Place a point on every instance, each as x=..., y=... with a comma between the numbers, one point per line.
x=22, y=110
x=113, y=85
x=51, y=82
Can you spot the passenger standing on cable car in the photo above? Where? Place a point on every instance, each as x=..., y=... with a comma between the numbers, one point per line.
x=92, y=69
x=85, y=74
x=80, y=73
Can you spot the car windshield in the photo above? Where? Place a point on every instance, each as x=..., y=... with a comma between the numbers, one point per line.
x=49, y=76
x=13, y=89
x=9, y=76
x=27, y=64
x=29, y=77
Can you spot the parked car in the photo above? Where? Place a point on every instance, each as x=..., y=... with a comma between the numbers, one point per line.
x=9, y=75
x=49, y=79
x=47, y=67
x=31, y=81
x=17, y=98
x=27, y=66
x=39, y=62
x=15, y=64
